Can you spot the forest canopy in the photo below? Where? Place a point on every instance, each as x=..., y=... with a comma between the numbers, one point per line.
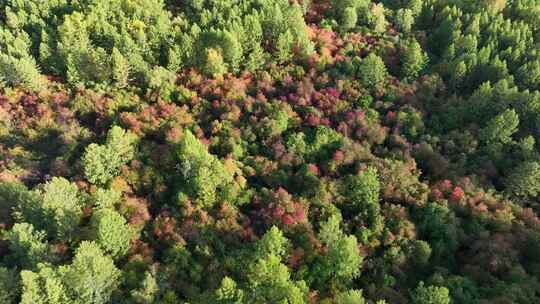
x=269, y=151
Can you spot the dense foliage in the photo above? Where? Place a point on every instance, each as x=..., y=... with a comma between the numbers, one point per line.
x=269, y=151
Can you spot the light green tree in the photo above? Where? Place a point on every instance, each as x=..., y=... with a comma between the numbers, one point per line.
x=500, y=129
x=148, y=291
x=106, y=198
x=273, y=242
x=376, y=18
x=17, y=66
x=430, y=295
x=214, y=64
x=61, y=207
x=352, y=296
x=269, y=280
x=362, y=199
x=414, y=59
x=27, y=246
x=92, y=277
x=363, y=189
x=111, y=232
x=229, y=293
x=524, y=180
x=53, y=207
x=349, y=19
x=404, y=20
x=204, y=175
x=120, y=68
x=372, y=71
x=285, y=45
x=101, y=163
x=342, y=261
x=43, y=287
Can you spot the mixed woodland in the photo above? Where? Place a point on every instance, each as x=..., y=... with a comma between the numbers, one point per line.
x=269, y=151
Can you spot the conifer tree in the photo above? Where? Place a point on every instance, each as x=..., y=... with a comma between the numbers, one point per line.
x=55, y=208
x=414, y=60
x=28, y=246
x=430, y=295
x=372, y=71
x=9, y=284
x=341, y=262
x=269, y=279
x=204, y=176
x=92, y=277
x=229, y=293
x=111, y=232
x=102, y=162
x=524, y=180
x=44, y=286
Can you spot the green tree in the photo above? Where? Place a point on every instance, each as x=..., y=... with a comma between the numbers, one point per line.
x=88, y=37
x=342, y=262
x=54, y=207
x=43, y=287
x=269, y=279
x=316, y=144
x=61, y=207
x=13, y=195
x=298, y=27
x=111, y=232
x=255, y=57
x=9, y=285
x=17, y=66
x=214, y=65
x=352, y=296
x=458, y=72
x=419, y=252
x=232, y=50
x=430, y=295
x=372, y=71
x=500, y=129
x=204, y=176
x=437, y=224
x=21, y=72
x=229, y=293
x=348, y=12
x=27, y=246
x=349, y=19
x=404, y=20
x=92, y=277
x=528, y=75
x=362, y=200
x=101, y=163
x=415, y=6
x=524, y=180
x=414, y=60
x=106, y=198
x=148, y=291
x=120, y=68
